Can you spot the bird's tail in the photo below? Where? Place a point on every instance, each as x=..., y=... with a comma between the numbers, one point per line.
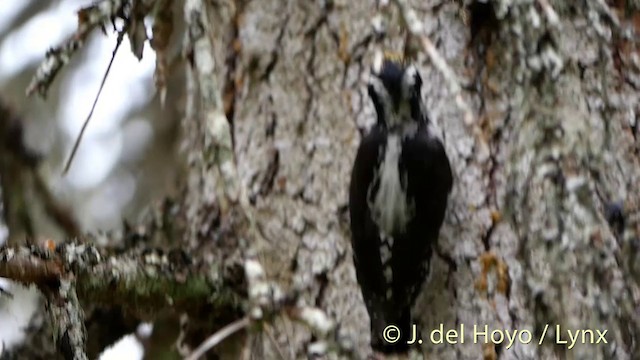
x=390, y=334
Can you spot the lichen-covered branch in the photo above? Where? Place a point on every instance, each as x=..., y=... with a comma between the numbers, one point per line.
x=554, y=87
x=89, y=19
x=145, y=282
x=218, y=140
x=20, y=265
x=67, y=319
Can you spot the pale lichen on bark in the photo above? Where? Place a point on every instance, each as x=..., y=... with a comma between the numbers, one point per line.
x=67, y=319
x=218, y=132
x=563, y=270
x=553, y=87
x=494, y=259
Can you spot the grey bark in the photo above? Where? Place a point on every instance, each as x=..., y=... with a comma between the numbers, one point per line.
x=553, y=87
x=526, y=242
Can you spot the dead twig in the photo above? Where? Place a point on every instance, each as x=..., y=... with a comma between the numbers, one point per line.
x=95, y=101
x=89, y=18
x=416, y=29
x=218, y=337
x=269, y=331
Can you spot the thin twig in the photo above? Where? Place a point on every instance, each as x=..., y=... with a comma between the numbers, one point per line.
x=89, y=18
x=288, y=329
x=449, y=76
x=273, y=340
x=95, y=102
x=415, y=28
x=218, y=337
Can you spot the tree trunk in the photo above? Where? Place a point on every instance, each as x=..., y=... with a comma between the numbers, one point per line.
x=541, y=236
x=526, y=243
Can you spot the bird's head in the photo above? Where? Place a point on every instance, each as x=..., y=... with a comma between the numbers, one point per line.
x=394, y=87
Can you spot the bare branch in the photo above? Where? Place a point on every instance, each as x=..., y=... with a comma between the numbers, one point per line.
x=416, y=29
x=95, y=101
x=218, y=337
x=89, y=18
x=414, y=26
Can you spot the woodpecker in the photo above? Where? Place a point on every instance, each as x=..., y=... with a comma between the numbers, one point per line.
x=400, y=184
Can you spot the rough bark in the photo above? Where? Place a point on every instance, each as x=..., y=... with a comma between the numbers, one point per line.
x=526, y=242
x=541, y=235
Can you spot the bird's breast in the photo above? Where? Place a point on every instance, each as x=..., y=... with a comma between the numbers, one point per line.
x=388, y=201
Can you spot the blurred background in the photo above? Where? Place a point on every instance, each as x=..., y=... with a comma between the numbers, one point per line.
x=127, y=157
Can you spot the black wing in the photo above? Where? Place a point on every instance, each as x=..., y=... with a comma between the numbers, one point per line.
x=364, y=232
x=365, y=241
x=429, y=182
